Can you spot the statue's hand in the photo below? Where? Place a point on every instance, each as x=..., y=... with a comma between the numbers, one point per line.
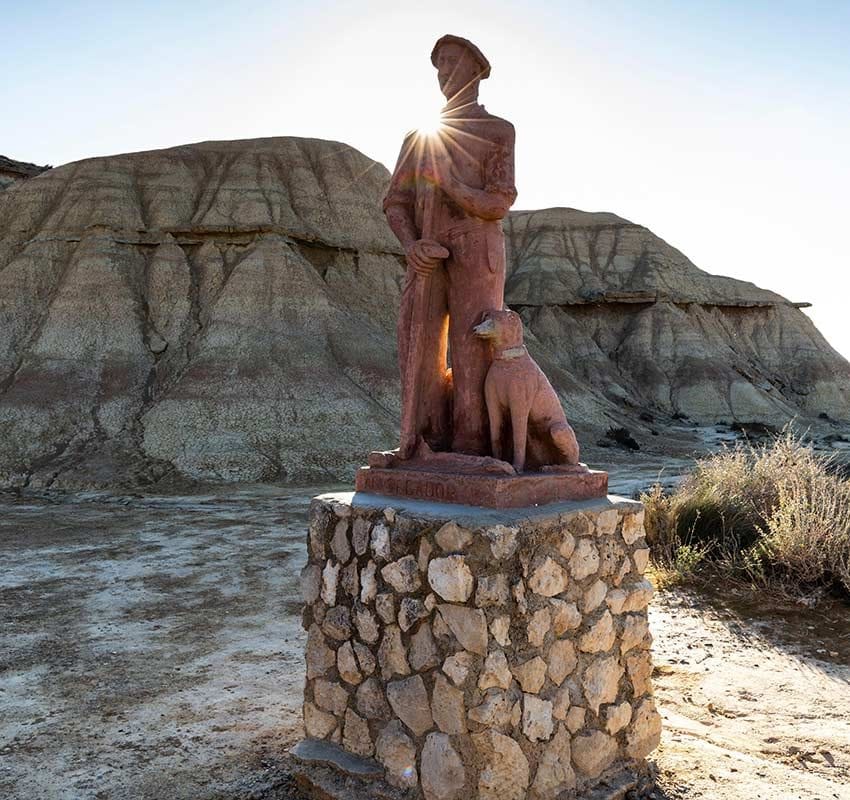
x=424, y=255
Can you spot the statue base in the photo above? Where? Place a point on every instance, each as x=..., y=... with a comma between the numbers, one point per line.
x=477, y=480
x=458, y=653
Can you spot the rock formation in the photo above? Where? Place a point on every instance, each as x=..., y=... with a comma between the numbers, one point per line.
x=226, y=311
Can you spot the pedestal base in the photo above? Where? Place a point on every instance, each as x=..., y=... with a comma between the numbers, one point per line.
x=477, y=654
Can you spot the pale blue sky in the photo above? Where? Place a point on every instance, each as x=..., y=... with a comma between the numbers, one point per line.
x=722, y=126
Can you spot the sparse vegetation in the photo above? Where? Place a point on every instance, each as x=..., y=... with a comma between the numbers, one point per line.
x=775, y=514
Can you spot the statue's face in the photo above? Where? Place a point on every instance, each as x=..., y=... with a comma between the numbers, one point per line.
x=457, y=68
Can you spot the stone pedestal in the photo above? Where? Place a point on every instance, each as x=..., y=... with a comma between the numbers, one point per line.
x=474, y=653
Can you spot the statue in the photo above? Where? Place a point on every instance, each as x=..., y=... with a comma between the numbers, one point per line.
x=449, y=192
x=448, y=195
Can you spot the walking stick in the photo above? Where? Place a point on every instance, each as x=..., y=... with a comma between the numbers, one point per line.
x=410, y=390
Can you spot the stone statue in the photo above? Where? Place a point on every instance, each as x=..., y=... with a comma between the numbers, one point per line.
x=510, y=446
x=448, y=195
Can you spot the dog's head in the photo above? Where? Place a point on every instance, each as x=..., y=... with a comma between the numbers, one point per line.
x=502, y=328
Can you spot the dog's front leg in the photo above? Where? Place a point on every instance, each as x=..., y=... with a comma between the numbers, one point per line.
x=496, y=417
x=519, y=423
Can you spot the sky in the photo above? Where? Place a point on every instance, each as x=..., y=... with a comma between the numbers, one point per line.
x=722, y=126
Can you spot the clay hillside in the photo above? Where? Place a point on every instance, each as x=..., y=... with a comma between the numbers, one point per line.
x=226, y=311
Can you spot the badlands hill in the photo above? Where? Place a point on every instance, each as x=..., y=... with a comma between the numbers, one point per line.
x=226, y=311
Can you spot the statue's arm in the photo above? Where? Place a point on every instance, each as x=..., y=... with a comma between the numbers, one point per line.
x=498, y=195
x=400, y=221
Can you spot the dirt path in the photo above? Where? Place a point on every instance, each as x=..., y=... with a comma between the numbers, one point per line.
x=150, y=647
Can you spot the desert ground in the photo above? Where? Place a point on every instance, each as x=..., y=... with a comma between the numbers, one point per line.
x=150, y=647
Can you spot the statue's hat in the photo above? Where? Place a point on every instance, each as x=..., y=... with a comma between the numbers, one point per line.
x=477, y=54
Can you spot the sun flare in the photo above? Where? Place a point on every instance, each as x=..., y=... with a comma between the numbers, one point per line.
x=429, y=125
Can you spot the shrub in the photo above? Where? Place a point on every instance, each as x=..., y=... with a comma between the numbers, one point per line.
x=775, y=512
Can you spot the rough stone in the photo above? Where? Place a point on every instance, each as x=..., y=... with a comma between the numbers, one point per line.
x=369, y=700
x=554, y=774
x=396, y=751
x=365, y=659
x=320, y=658
x=561, y=702
x=635, y=632
x=639, y=595
x=468, y=625
x=316, y=535
x=403, y=575
x=424, y=556
x=385, y=606
x=381, y=542
x=518, y=590
x=350, y=581
x=431, y=602
x=600, y=682
x=537, y=722
x=549, y=579
x=337, y=623
x=366, y=624
x=451, y=578
x=355, y=735
x=538, y=627
x=503, y=541
x=625, y=569
x=615, y=600
x=575, y=718
x=639, y=669
x=346, y=664
x=600, y=637
x=339, y=543
x=330, y=696
x=500, y=627
x=606, y=522
x=492, y=590
x=584, y=560
x=644, y=733
x=311, y=583
x=505, y=775
x=411, y=610
x=360, y=535
x=318, y=724
x=447, y=707
x=617, y=717
x=457, y=667
x=567, y=545
x=443, y=774
x=423, y=650
x=562, y=660
x=391, y=654
x=611, y=554
x=451, y=538
x=495, y=672
x=368, y=583
x=565, y=616
x=494, y=711
x=594, y=596
x=633, y=527
x=641, y=560
x=409, y=701
x=531, y=674
x=330, y=580
x=593, y=752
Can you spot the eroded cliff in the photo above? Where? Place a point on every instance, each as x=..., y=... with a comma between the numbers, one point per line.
x=226, y=311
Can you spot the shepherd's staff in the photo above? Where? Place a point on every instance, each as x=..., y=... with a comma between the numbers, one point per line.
x=418, y=317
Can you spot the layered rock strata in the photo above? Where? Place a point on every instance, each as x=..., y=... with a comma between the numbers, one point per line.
x=226, y=311
x=472, y=659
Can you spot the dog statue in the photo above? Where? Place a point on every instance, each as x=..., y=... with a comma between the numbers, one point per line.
x=525, y=414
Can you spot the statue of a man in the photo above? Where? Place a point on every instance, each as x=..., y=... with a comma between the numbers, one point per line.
x=448, y=195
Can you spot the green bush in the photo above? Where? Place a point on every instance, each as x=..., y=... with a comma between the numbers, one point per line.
x=777, y=512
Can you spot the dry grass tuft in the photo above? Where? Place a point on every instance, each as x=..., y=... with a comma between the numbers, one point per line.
x=776, y=513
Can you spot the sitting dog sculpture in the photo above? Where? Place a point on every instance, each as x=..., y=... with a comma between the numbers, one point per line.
x=526, y=418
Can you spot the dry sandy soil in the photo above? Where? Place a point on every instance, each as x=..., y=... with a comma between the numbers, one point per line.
x=150, y=647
